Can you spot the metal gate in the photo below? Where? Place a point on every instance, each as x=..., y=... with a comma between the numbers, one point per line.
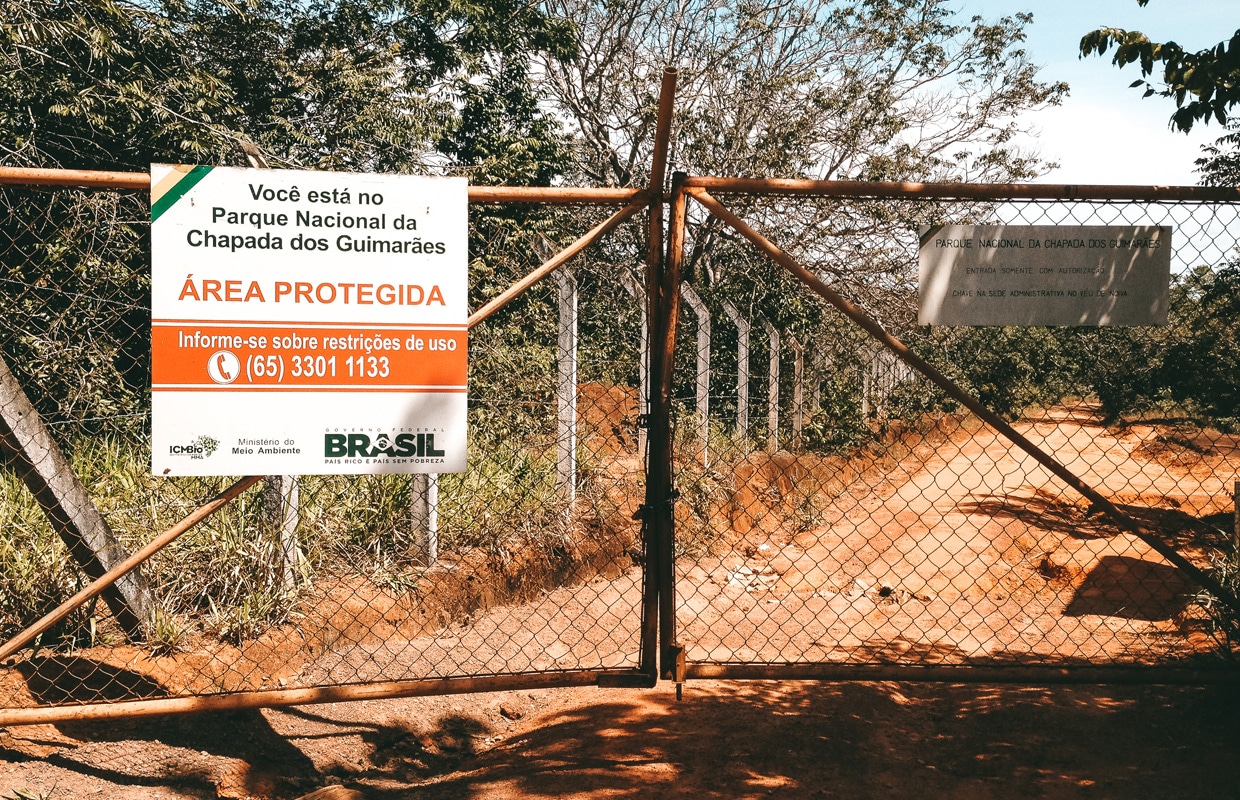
x=739, y=461
x=863, y=497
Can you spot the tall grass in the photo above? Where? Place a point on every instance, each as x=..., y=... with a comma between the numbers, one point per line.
x=227, y=576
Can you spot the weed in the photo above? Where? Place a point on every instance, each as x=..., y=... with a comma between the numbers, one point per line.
x=27, y=794
x=1224, y=623
x=164, y=633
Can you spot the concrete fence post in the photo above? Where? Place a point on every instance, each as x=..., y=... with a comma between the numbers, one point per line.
x=424, y=516
x=566, y=387
x=742, y=369
x=282, y=512
x=29, y=450
x=798, y=391
x=820, y=362
x=867, y=386
x=635, y=288
x=702, y=316
x=1235, y=504
x=772, y=389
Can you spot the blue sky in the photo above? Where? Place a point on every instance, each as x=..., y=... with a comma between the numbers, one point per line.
x=1105, y=132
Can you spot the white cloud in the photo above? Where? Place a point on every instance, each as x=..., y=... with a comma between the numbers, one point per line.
x=1107, y=142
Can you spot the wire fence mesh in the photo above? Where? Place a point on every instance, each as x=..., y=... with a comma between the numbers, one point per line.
x=837, y=507
x=528, y=562
x=833, y=505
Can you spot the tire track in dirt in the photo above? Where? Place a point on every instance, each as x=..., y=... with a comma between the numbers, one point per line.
x=978, y=556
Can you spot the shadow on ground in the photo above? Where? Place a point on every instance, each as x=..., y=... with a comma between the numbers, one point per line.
x=825, y=740
x=724, y=740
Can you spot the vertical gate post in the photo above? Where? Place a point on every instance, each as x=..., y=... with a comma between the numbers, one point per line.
x=663, y=303
x=1235, y=507
x=702, y=394
x=660, y=492
x=798, y=392
x=638, y=292
x=566, y=387
x=424, y=516
x=33, y=454
x=772, y=390
x=742, y=369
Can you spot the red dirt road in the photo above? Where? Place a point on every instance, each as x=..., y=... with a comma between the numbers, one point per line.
x=725, y=740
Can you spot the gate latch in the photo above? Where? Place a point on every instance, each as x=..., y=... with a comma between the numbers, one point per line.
x=674, y=666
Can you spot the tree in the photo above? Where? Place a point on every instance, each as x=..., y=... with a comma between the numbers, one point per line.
x=325, y=84
x=1220, y=162
x=371, y=85
x=100, y=84
x=874, y=90
x=1204, y=84
x=883, y=89
x=380, y=85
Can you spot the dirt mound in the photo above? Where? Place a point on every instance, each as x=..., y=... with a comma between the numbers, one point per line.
x=1178, y=449
x=608, y=416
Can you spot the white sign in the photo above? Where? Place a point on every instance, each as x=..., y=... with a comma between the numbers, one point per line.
x=307, y=322
x=1044, y=275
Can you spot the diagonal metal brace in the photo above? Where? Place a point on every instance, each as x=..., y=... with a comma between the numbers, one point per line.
x=902, y=351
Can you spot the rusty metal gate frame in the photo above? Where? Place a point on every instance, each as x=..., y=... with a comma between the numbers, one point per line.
x=673, y=663
x=661, y=656
x=632, y=202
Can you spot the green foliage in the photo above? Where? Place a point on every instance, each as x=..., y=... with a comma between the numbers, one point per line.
x=1201, y=368
x=1220, y=162
x=329, y=84
x=1204, y=84
x=36, y=572
x=501, y=135
x=1008, y=369
x=100, y=84
x=227, y=575
x=74, y=296
x=1189, y=366
x=837, y=425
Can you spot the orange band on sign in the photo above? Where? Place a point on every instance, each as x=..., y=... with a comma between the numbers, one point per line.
x=188, y=356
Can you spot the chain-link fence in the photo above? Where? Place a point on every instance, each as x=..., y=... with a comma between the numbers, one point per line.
x=837, y=508
x=528, y=563
x=833, y=506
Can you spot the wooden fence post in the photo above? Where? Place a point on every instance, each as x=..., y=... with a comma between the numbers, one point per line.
x=566, y=387
x=742, y=369
x=702, y=395
x=30, y=450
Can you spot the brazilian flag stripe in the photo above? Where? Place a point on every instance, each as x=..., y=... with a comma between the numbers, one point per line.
x=173, y=187
x=929, y=234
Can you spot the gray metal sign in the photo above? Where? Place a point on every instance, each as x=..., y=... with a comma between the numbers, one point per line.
x=1044, y=275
